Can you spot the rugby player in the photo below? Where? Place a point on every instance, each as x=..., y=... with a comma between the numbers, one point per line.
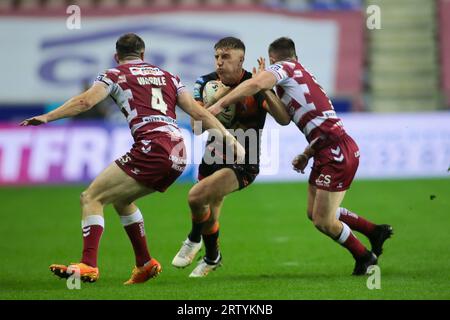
x=218, y=179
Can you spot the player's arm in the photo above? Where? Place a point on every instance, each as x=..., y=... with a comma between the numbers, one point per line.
x=274, y=105
x=301, y=161
x=73, y=106
x=198, y=113
x=276, y=108
x=221, y=92
x=262, y=81
x=209, y=122
x=200, y=103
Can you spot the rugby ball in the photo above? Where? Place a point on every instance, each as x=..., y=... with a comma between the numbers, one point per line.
x=226, y=117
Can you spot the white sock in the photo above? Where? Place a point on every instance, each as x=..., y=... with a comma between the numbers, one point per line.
x=132, y=218
x=89, y=221
x=93, y=220
x=344, y=234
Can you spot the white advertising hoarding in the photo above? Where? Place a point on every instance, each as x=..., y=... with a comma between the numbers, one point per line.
x=391, y=145
x=402, y=145
x=46, y=62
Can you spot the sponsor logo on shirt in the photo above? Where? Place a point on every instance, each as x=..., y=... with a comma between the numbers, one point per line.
x=146, y=71
x=276, y=67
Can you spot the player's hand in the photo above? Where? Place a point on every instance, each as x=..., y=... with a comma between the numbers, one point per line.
x=300, y=162
x=215, y=109
x=261, y=66
x=35, y=121
x=222, y=91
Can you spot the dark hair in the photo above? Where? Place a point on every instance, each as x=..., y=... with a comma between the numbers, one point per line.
x=283, y=48
x=229, y=43
x=129, y=45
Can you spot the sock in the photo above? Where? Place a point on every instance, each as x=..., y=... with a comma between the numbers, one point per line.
x=348, y=240
x=134, y=226
x=355, y=222
x=92, y=227
x=211, y=240
x=197, y=225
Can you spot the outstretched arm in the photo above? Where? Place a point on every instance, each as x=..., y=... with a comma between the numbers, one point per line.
x=72, y=107
x=262, y=81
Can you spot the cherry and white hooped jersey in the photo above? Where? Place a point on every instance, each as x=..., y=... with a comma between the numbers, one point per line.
x=306, y=102
x=146, y=95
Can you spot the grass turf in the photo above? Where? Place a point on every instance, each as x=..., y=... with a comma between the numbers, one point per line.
x=271, y=250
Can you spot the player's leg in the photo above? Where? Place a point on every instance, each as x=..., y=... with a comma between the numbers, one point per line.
x=133, y=223
x=205, y=199
x=210, y=235
x=355, y=222
x=211, y=189
x=324, y=218
x=193, y=243
x=310, y=205
x=159, y=169
x=377, y=234
x=210, y=232
x=207, y=191
x=111, y=185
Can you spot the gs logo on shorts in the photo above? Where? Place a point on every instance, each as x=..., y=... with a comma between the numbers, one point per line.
x=323, y=180
x=335, y=166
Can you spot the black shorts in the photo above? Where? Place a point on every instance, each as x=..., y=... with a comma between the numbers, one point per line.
x=245, y=173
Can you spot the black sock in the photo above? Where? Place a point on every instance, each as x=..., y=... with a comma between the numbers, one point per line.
x=196, y=232
x=211, y=245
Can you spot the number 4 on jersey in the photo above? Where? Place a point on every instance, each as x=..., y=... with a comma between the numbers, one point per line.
x=157, y=102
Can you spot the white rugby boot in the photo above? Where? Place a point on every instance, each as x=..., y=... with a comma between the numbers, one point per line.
x=205, y=266
x=187, y=253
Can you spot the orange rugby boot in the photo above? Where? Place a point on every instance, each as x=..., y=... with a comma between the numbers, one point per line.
x=141, y=274
x=86, y=273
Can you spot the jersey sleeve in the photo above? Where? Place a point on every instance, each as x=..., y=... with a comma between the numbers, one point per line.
x=280, y=72
x=110, y=78
x=198, y=89
x=180, y=87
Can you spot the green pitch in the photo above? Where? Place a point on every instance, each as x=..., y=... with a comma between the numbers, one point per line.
x=270, y=249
